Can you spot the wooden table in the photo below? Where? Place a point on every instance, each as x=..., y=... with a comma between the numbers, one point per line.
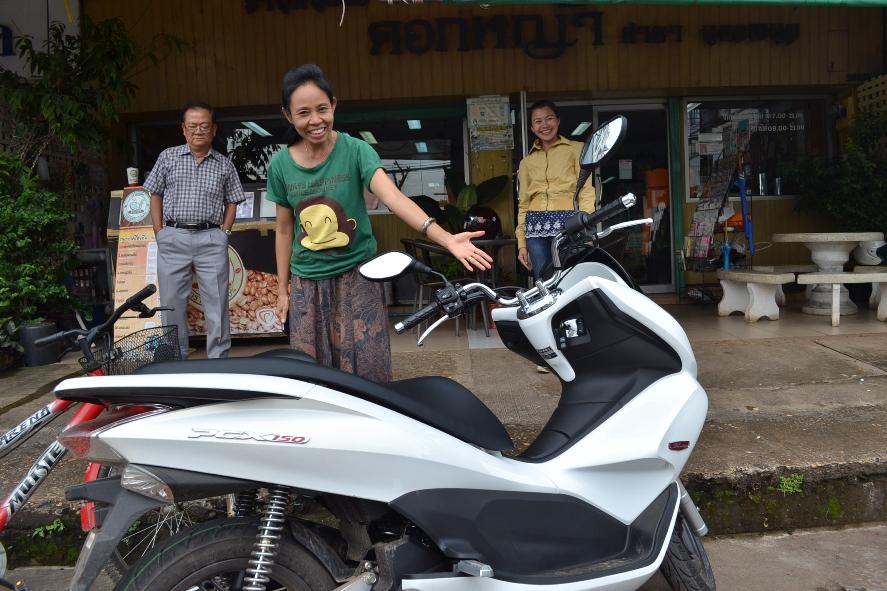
x=829, y=251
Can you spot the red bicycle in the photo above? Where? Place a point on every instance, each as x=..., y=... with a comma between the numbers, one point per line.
x=99, y=357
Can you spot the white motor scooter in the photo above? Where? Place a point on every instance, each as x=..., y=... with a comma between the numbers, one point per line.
x=412, y=472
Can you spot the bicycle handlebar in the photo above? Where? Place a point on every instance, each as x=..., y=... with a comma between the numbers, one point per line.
x=133, y=302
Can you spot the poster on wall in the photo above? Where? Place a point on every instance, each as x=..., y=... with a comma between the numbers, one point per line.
x=245, y=207
x=489, y=123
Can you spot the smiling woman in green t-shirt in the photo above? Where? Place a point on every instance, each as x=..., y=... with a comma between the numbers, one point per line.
x=318, y=183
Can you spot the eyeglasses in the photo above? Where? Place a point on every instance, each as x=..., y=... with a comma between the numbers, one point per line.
x=192, y=127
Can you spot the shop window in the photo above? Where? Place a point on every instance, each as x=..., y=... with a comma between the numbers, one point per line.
x=779, y=133
x=416, y=151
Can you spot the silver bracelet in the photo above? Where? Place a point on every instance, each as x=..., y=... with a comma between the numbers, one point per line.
x=425, y=225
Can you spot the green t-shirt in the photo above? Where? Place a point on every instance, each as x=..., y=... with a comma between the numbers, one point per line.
x=332, y=228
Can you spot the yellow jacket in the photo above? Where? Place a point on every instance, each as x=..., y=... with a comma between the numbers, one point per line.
x=547, y=180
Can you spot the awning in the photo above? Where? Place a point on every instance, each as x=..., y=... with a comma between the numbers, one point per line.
x=869, y=3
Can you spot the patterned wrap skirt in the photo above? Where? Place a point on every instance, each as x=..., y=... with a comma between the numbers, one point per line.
x=342, y=322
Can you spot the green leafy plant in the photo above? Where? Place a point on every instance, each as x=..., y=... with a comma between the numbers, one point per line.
x=8, y=341
x=851, y=189
x=78, y=85
x=452, y=216
x=51, y=528
x=37, y=253
x=790, y=485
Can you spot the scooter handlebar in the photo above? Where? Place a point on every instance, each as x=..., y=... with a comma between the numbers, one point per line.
x=587, y=221
x=422, y=315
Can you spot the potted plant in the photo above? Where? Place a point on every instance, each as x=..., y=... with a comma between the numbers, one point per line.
x=36, y=256
x=467, y=197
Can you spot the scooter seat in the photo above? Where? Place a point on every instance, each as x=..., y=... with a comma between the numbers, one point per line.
x=436, y=401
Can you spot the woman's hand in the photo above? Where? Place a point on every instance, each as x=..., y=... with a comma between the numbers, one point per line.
x=473, y=257
x=283, y=302
x=524, y=258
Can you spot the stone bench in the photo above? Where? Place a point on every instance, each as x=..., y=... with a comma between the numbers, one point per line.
x=780, y=295
x=876, y=289
x=838, y=279
x=751, y=292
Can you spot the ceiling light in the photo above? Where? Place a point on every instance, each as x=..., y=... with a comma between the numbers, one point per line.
x=256, y=127
x=368, y=137
x=580, y=129
x=691, y=106
x=421, y=147
x=414, y=124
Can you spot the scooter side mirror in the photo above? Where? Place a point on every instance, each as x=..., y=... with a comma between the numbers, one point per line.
x=601, y=143
x=596, y=148
x=387, y=265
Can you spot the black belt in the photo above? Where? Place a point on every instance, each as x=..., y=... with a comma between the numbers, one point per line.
x=191, y=225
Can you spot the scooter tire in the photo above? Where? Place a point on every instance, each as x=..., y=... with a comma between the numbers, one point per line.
x=686, y=566
x=190, y=560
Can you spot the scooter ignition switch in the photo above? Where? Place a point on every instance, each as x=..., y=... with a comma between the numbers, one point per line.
x=570, y=329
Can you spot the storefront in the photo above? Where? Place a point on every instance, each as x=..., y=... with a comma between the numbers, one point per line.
x=403, y=73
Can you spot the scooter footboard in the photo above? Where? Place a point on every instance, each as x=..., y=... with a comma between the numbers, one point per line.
x=551, y=540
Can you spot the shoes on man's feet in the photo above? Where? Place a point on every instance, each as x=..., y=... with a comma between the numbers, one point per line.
x=542, y=369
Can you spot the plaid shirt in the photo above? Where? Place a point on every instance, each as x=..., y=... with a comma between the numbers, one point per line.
x=194, y=191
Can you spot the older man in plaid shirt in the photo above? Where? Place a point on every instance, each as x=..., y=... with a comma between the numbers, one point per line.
x=194, y=195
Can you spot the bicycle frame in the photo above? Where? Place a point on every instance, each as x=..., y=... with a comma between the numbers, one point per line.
x=48, y=459
x=55, y=452
x=24, y=430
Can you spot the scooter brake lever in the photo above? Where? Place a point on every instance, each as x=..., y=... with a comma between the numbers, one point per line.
x=430, y=329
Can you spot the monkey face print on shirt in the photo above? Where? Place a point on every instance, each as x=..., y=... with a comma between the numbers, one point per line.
x=323, y=224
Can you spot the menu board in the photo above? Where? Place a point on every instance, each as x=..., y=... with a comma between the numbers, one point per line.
x=136, y=267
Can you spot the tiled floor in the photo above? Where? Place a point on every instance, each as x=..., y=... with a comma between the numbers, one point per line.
x=700, y=321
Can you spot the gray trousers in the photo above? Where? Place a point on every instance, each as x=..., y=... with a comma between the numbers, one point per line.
x=206, y=251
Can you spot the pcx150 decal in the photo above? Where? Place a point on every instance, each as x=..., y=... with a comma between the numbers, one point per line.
x=242, y=435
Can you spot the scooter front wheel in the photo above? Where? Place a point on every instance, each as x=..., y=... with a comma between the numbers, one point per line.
x=214, y=555
x=686, y=566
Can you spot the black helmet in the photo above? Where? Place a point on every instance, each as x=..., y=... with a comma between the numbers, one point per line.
x=483, y=218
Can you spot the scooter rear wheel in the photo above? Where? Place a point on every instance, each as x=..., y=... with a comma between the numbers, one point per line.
x=149, y=531
x=214, y=555
x=686, y=566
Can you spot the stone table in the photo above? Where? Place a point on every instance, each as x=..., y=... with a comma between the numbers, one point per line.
x=829, y=251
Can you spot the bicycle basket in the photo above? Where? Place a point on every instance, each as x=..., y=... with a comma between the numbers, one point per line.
x=138, y=349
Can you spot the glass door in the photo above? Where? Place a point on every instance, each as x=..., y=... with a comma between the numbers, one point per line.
x=638, y=165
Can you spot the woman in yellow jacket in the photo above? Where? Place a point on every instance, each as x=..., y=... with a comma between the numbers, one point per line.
x=546, y=183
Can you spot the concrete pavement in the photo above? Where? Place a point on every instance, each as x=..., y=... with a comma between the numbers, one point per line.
x=848, y=559
x=795, y=436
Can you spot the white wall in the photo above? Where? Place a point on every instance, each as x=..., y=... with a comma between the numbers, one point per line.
x=32, y=17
